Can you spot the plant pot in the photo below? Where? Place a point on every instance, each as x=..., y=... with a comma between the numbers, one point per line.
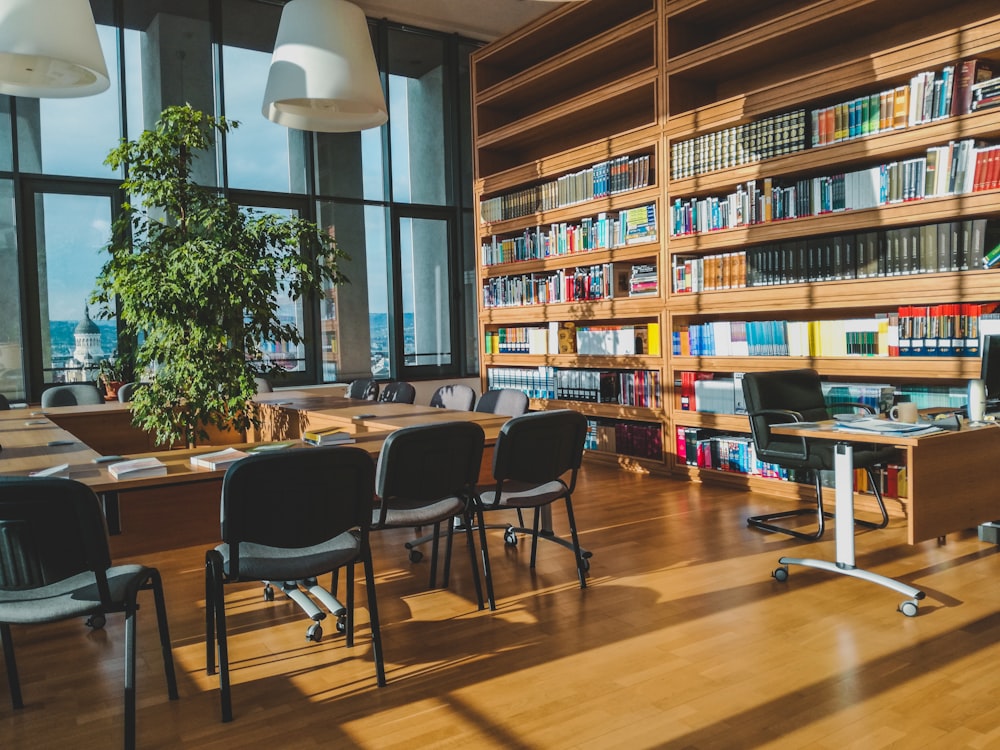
x=111, y=389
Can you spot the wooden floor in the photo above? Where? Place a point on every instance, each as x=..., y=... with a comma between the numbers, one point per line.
x=681, y=640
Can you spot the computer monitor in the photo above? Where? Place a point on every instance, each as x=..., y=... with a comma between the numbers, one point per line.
x=990, y=367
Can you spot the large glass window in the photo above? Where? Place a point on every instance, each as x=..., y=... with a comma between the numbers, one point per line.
x=70, y=234
x=425, y=291
x=11, y=349
x=417, y=127
x=6, y=147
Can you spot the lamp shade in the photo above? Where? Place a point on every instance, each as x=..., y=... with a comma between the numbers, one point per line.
x=49, y=48
x=323, y=74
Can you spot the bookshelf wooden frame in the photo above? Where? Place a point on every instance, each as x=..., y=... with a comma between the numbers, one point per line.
x=714, y=67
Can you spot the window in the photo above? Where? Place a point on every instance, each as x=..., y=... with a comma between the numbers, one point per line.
x=11, y=349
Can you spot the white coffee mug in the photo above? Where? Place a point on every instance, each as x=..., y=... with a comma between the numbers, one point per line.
x=904, y=411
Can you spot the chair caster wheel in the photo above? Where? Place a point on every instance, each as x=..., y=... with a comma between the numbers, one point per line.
x=416, y=555
x=96, y=622
x=268, y=593
x=510, y=538
x=780, y=574
x=909, y=608
x=315, y=632
x=342, y=623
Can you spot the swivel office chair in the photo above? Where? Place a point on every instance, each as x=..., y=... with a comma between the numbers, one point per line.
x=797, y=396
x=399, y=393
x=364, y=390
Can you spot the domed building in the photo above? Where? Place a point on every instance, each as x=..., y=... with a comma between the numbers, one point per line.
x=87, y=352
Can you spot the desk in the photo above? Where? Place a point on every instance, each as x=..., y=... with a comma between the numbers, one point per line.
x=948, y=473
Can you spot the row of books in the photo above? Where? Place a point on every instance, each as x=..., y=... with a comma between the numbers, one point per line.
x=536, y=382
x=929, y=96
x=586, y=283
x=643, y=281
x=952, y=330
x=718, y=393
x=619, y=175
x=624, y=387
x=603, y=232
x=958, y=168
x=710, y=449
x=929, y=248
x=751, y=142
x=638, y=439
x=985, y=94
x=617, y=340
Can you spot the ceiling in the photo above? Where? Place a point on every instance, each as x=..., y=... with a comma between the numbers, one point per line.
x=476, y=19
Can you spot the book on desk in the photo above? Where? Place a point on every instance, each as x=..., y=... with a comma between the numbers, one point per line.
x=327, y=436
x=218, y=459
x=138, y=468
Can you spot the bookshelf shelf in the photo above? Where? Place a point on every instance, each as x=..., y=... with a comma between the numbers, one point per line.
x=637, y=252
x=624, y=307
x=591, y=361
x=894, y=368
x=576, y=211
x=608, y=411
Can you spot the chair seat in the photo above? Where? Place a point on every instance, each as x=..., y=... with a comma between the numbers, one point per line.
x=398, y=517
x=518, y=495
x=260, y=562
x=70, y=597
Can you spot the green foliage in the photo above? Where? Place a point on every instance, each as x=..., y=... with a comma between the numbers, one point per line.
x=200, y=279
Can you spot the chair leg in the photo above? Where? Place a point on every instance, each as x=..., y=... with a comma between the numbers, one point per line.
x=764, y=521
x=884, y=521
x=373, y=614
x=8, y=656
x=349, y=583
x=472, y=559
x=484, y=551
x=446, y=573
x=534, y=536
x=156, y=584
x=209, y=617
x=130, y=608
x=435, y=542
x=217, y=596
x=580, y=569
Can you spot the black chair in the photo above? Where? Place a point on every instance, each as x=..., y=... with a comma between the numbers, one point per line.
x=459, y=397
x=364, y=390
x=263, y=384
x=797, y=396
x=55, y=565
x=291, y=516
x=535, y=462
x=127, y=392
x=4, y=403
x=77, y=394
x=507, y=401
x=427, y=475
x=398, y=393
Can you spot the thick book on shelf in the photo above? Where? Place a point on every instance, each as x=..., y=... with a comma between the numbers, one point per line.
x=327, y=436
x=219, y=459
x=138, y=468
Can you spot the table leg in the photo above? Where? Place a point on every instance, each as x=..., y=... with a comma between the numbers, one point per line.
x=844, y=564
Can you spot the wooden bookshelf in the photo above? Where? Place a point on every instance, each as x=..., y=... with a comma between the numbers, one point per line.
x=596, y=80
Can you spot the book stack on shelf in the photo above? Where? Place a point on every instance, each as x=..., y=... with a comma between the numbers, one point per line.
x=643, y=281
x=628, y=388
x=637, y=439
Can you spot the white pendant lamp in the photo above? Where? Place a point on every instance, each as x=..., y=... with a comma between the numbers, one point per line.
x=323, y=74
x=49, y=48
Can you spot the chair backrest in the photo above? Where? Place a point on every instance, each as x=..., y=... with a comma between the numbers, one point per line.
x=419, y=465
x=506, y=401
x=399, y=393
x=296, y=498
x=800, y=391
x=540, y=447
x=51, y=529
x=457, y=396
x=4, y=403
x=77, y=394
x=366, y=390
x=263, y=385
x=127, y=391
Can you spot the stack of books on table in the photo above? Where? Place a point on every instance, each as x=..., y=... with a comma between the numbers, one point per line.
x=138, y=468
x=327, y=436
x=219, y=459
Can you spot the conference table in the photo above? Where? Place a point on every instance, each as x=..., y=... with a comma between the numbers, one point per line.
x=34, y=439
x=950, y=479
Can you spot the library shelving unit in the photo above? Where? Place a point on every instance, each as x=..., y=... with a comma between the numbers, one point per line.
x=769, y=123
x=568, y=153
x=729, y=65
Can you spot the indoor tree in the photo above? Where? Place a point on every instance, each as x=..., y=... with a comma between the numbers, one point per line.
x=197, y=279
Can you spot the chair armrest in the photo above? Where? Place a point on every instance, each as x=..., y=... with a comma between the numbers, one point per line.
x=786, y=415
x=866, y=408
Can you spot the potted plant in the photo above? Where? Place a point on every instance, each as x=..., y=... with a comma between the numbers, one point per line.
x=113, y=372
x=199, y=278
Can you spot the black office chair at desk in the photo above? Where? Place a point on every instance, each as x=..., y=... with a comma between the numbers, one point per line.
x=797, y=396
x=77, y=394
